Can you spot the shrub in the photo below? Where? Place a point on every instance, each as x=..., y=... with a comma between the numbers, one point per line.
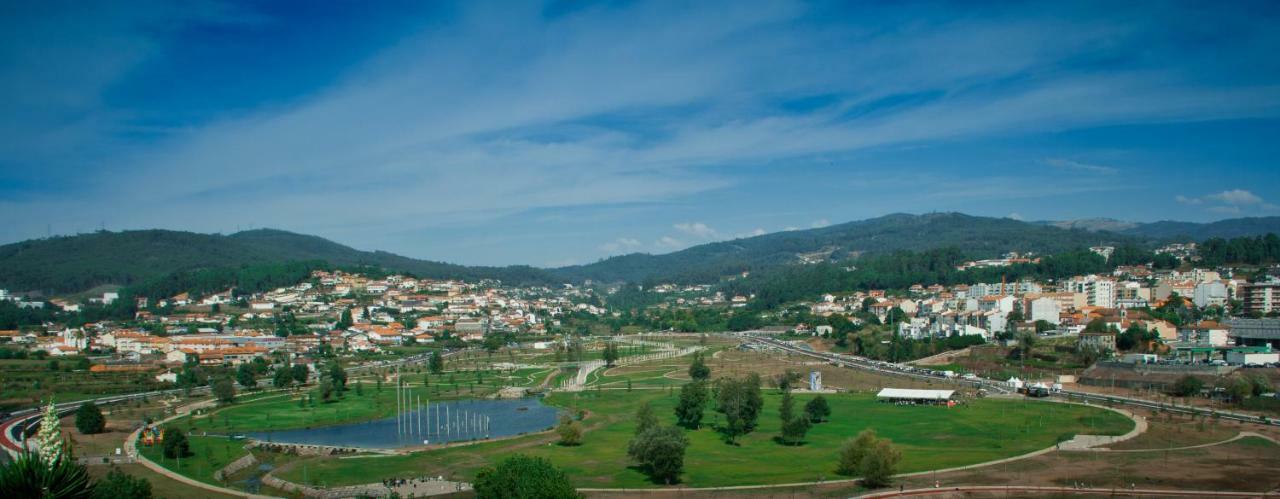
x=89, y=419
x=523, y=477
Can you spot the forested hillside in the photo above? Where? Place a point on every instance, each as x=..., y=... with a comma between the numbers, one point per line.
x=76, y=263
x=977, y=237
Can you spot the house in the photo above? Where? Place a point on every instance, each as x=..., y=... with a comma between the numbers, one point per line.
x=1104, y=341
x=1205, y=333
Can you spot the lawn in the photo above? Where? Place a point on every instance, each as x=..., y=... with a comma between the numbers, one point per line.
x=208, y=454
x=930, y=438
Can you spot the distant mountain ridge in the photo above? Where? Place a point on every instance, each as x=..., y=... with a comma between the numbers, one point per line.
x=978, y=236
x=1169, y=229
x=75, y=263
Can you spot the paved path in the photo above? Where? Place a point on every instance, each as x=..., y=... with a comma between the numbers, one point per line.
x=1059, y=490
x=130, y=447
x=1090, y=442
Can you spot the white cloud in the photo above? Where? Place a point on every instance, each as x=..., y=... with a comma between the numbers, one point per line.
x=623, y=244
x=820, y=223
x=758, y=231
x=1067, y=164
x=1236, y=197
x=697, y=229
x=1015, y=216
x=1230, y=202
x=668, y=242
x=1186, y=200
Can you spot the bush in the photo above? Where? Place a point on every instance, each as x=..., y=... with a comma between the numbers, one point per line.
x=1187, y=386
x=117, y=485
x=523, y=477
x=570, y=431
x=874, y=459
x=89, y=419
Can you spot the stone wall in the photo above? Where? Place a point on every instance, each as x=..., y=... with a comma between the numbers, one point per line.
x=237, y=465
x=373, y=490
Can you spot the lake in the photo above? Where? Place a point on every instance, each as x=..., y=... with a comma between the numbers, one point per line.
x=443, y=422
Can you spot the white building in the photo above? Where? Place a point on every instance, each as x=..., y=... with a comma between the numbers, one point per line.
x=1210, y=293
x=1045, y=309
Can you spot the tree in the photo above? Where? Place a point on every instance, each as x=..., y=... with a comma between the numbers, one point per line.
x=794, y=427
x=610, y=353
x=224, y=390
x=874, y=459
x=436, y=363
x=740, y=401
x=244, y=376
x=117, y=485
x=344, y=321
x=282, y=377
x=817, y=409
x=698, y=370
x=570, y=431
x=337, y=376
x=175, y=444
x=300, y=373
x=1187, y=386
x=523, y=477
x=1258, y=384
x=660, y=451
x=89, y=419
x=879, y=466
x=33, y=475
x=645, y=418
x=693, y=402
x=1237, y=389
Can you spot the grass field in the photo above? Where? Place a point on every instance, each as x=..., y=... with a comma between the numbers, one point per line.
x=208, y=454
x=161, y=486
x=930, y=438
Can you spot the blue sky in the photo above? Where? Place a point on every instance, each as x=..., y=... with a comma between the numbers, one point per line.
x=564, y=132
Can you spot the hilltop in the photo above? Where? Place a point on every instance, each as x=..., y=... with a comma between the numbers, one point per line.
x=69, y=264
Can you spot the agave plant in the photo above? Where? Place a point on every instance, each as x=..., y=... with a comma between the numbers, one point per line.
x=30, y=476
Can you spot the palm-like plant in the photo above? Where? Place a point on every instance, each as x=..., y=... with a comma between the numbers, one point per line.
x=29, y=475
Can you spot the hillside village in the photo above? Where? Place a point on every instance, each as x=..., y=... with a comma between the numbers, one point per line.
x=338, y=311
x=1191, y=313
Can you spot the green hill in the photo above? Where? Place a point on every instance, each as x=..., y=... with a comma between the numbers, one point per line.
x=976, y=236
x=75, y=263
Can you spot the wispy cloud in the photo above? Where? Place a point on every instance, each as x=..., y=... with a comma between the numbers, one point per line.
x=1067, y=164
x=495, y=109
x=697, y=230
x=1229, y=202
x=621, y=244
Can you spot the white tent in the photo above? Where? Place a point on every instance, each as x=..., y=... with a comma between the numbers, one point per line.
x=910, y=394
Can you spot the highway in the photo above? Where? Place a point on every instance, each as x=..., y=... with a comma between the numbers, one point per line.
x=893, y=369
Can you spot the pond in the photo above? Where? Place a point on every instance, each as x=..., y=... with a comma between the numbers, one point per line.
x=436, y=423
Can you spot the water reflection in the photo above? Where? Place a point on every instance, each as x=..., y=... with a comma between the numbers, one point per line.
x=443, y=422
